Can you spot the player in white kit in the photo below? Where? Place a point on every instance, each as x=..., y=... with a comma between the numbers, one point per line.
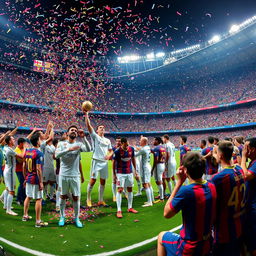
x=145, y=173
x=49, y=177
x=170, y=161
x=9, y=172
x=102, y=152
x=69, y=177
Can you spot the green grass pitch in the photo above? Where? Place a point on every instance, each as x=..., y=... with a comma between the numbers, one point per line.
x=102, y=231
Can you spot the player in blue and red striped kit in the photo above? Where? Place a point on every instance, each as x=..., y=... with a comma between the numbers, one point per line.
x=231, y=200
x=34, y=179
x=158, y=167
x=123, y=161
x=249, y=151
x=197, y=201
x=211, y=167
x=183, y=148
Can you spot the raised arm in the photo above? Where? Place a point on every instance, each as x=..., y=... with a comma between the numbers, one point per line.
x=30, y=135
x=86, y=146
x=13, y=132
x=88, y=122
x=248, y=174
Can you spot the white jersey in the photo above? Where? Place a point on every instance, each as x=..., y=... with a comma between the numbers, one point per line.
x=144, y=152
x=170, y=148
x=69, y=160
x=48, y=151
x=10, y=159
x=101, y=146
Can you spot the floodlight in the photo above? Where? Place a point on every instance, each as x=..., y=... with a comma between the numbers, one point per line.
x=234, y=29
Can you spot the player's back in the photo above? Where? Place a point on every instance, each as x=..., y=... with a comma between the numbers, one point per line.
x=10, y=160
x=230, y=208
x=32, y=157
x=123, y=160
x=198, y=204
x=160, y=154
x=211, y=167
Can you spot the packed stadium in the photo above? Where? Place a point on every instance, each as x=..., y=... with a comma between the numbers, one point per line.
x=127, y=128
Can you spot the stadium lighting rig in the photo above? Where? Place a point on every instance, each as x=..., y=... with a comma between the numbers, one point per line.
x=170, y=57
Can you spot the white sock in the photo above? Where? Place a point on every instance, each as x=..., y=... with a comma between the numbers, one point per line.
x=89, y=190
x=9, y=202
x=62, y=207
x=152, y=194
x=5, y=198
x=139, y=186
x=118, y=201
x=101, y=192
x=114, y=189
x=161, y=191
x=52, y=189
x=148, y=193
x=170, y=186
x=57, y=198
x=76, y=205
x=130, y=199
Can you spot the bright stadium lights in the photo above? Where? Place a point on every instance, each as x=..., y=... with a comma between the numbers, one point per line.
x=128, y=58
x=150, y=56
x=234, y=29
x=215, y=39
x=160, y=54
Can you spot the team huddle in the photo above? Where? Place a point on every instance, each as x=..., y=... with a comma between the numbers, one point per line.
x=214, y=189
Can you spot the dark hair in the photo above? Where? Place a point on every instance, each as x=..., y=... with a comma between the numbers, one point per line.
x=118, y=138
x=123, y=140
x=159, y=139
x=21, y=140
x=228, y=139
x=55, y=141
x=210, y=139
x=8, y=139
x=252, y=142
x=34, y=139
x=184, y=138
x=217, y=139
x=226, y=148
x=72, y=126
x=203, y=142
x=97, y=127
x=166, y=136
x=239, y=139
x=195, y=165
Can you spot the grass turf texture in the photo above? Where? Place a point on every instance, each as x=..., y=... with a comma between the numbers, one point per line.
x=102, y=231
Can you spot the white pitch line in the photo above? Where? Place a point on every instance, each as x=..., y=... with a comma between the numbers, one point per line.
x=25, y=249
x=125, y=249
x=131, y=247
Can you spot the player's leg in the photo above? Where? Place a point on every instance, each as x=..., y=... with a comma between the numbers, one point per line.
x=159, y=176
x=76, y=195
x=64, y=190
x=103, y=176
x=94, y=174
x=120, y=180
x=46, y=182
x=57, y=194
x=20, y=194
x=129, y=184
x=29, y=195
x=138, y=180
x=164, y=185
x=10, y=181
x=38, y=196
x=145, y=178
x=52, y=185
x=160, y=248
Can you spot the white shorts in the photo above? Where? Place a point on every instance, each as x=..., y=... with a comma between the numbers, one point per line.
x=146, y=174
x=158, y=172
x=70, y=184
x=32, y=191
x=9, y=180
x=124, y=180
x=171, y=170
x=99, y=167
x=49, y=175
